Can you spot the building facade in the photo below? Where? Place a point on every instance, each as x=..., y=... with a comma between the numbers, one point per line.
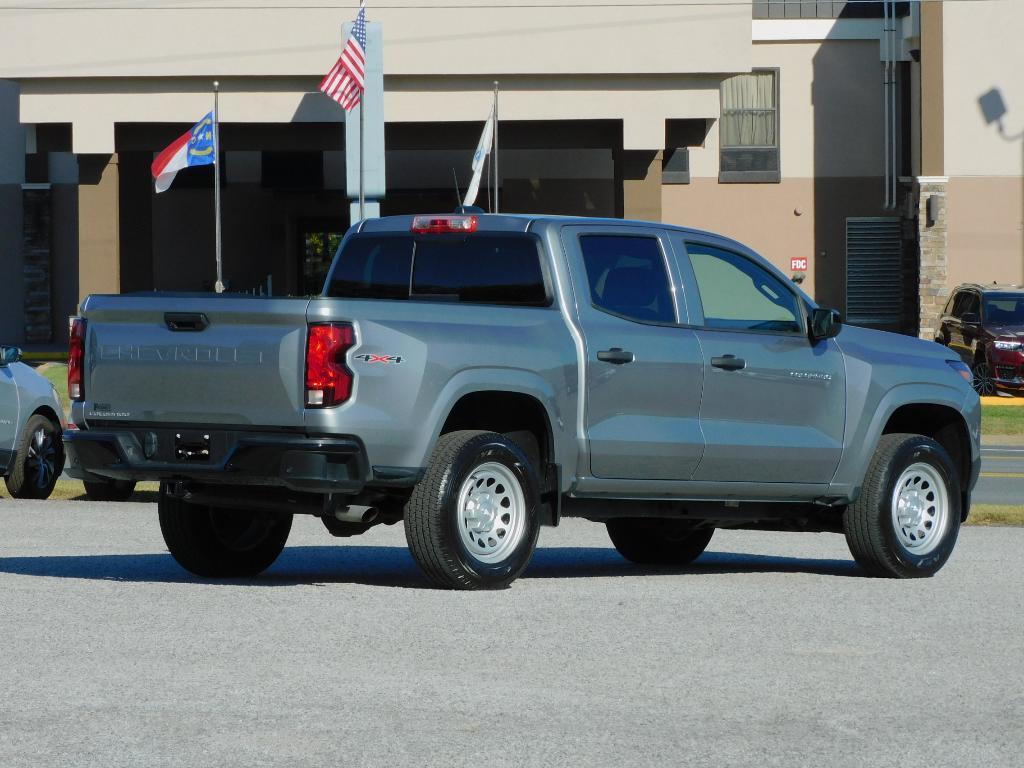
x=809, y=129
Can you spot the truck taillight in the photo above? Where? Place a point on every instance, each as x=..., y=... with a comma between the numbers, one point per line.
x=328, y=379
x=76, y=359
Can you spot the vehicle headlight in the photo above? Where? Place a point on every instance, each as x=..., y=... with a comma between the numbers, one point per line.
x=962, y=368
x=1007, y=345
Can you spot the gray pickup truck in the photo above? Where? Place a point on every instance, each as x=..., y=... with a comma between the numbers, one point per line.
x=480, y=376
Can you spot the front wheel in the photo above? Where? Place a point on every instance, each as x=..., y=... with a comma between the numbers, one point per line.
x=39, y=460
x=472, y=522
x=654, y=541
x=906, y=520
x=981, y=379
x=221, y=543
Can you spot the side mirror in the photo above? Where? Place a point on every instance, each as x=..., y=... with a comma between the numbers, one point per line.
x=9, y=355
x=970, y=318
x=825, y=323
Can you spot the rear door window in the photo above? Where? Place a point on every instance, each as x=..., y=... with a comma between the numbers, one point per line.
x=628, y=277
x=481, y=268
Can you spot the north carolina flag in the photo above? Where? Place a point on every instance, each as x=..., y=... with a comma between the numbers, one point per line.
x=195, y=147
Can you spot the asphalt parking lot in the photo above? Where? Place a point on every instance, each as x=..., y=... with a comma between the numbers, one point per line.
x=771, y=651
x=1002, y=475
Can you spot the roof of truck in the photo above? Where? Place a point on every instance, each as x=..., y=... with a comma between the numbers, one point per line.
x=520, y=222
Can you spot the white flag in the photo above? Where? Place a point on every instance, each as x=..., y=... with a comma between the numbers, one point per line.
x=482, y=150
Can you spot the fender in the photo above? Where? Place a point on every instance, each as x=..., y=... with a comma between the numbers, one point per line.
x=860, y=446
x=512, y=380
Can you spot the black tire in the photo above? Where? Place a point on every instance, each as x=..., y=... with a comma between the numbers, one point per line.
x=881, y=543
x=435, y=523
x=39, y=460
x=658, y=541
x=221, y=543
x=114, y=490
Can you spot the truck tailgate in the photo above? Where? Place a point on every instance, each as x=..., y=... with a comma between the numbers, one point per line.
x=195, y=359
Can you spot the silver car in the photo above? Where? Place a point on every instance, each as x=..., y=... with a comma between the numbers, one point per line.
x=31, y=422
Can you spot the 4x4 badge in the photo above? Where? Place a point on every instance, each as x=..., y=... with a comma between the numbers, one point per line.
x=368, y=358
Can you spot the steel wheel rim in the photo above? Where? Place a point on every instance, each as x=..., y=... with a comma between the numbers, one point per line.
x=920, y=508
x=41, y=461
x=491, y=512
x=982, y=379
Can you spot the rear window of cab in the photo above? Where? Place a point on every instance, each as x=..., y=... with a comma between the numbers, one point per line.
x=481, y=268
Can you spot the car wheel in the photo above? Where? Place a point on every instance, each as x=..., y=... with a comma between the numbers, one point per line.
x=981, y=379
x=114, y=490
x=39, y=460
x=906, y=520
x=472, y=522
x=654, y=541
x=221, y=543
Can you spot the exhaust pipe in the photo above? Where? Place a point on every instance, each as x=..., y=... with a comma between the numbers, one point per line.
x=356, y=514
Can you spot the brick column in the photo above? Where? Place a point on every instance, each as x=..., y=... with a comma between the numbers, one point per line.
x=931, y=235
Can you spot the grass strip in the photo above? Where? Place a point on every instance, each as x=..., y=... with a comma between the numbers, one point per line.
x=996, y=514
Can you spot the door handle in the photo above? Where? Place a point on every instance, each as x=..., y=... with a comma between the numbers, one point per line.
x=186, y=321
x=615, y=355
x=729, y=363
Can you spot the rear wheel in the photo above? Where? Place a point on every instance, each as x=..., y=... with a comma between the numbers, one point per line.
x=221, y=543
x=472, y=522
x=906, y=520
x=658, y=541
x=113, y=490
x=39, y=460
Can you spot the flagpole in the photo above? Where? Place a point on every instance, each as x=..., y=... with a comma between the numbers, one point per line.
x=219, y=285
x=362, y=198
x=496, y=146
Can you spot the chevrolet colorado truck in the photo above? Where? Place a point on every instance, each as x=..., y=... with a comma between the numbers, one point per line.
x=478, y=377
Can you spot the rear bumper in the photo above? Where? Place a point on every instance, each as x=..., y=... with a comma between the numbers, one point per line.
x=308, y=464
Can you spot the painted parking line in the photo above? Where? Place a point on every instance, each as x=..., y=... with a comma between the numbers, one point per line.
x=1016, y=457
x=1002, y=474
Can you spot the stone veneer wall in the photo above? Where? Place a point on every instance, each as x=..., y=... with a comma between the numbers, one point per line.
x=933, y=240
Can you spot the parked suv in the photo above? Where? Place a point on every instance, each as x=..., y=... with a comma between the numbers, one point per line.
x=985, y=325
x=31, y=419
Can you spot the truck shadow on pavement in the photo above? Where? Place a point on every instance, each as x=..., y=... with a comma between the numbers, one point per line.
x=394, y=567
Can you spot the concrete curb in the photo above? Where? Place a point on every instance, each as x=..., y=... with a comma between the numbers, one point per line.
x=1012, y=401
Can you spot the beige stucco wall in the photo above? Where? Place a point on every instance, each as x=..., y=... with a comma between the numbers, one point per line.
x=986, y=240
x=985, y=165
x=658, y=62
x=295, y=37
x=642, y=102
x=830, y=99
x=831, y=158
x=982, y=50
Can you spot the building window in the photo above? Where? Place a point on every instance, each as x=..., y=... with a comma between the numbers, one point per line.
x=749, y=128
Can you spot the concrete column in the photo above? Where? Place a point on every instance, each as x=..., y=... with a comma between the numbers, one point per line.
x=37, y=236
x=932, y=240
x=933, y=146
x=641, y=184
x=99, y=261
x=931, y=233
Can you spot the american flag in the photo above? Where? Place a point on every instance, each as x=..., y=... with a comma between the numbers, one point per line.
x=346, y=80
